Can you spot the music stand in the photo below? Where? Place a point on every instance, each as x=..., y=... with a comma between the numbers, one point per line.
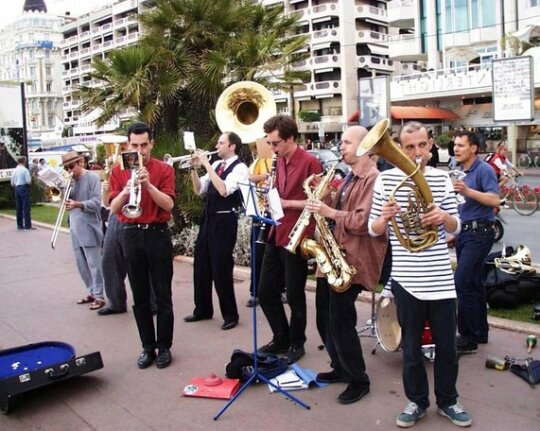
x=255, y=375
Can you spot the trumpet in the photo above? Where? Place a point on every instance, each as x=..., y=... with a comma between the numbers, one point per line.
x=133, y=208
x=61, y=211
x=184, y=160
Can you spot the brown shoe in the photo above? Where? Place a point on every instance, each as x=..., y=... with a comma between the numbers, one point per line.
x=97, y=304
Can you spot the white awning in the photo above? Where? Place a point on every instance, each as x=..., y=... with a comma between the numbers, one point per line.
x=322, y=45
x=323, y=19
x=379, y=50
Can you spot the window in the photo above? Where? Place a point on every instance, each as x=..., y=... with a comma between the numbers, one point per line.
x=534, y=3
x=48, y=88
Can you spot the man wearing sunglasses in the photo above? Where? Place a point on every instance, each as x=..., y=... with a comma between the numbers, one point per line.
x=279, y=265
x=84, y=205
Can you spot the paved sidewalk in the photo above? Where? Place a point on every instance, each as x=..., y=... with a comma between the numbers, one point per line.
x=39, y=288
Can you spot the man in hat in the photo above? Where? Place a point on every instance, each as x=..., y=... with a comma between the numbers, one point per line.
x=148, y=245
x=84, y=204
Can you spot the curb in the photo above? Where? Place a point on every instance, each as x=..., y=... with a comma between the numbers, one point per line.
x=495, y=322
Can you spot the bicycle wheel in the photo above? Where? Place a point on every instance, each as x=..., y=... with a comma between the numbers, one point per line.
x=524, y=161
x=525, y=202
x=537, y=161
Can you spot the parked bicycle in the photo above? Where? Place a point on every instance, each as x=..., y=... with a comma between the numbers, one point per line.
x=523, y=198
x=530, y=159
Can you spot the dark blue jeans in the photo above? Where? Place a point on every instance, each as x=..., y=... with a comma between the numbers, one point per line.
x=279, y=267
x=22, y=202
x=441, y=315
x=336, y=322
x=149, y=258
x=472, y=248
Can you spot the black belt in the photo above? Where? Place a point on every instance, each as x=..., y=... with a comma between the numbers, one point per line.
x=476, y=224
x=145, y=226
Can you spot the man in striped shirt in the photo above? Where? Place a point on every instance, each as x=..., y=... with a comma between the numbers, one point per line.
x=422, y=282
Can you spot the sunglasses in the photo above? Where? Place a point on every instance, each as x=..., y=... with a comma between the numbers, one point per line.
x=70, y=166
x=274, y=143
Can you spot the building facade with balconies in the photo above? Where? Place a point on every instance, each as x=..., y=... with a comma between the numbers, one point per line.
x=94, y=35
x=30, y=54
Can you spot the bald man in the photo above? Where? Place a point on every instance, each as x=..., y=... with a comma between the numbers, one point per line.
x=348, y=212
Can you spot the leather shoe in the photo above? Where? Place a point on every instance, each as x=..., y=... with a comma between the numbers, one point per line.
x=194, y=318
x=146, y=358
x=229, y=325
x=164, y=358
x=106, y=311
x=353, y=393
x=252, y=302
x=294, y=353
x=273, y=348
x=330, y=377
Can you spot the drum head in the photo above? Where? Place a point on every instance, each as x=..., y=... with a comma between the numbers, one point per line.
x=386, y=325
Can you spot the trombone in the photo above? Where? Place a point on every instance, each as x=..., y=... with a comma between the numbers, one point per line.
x=184, y=160
x=61, y=211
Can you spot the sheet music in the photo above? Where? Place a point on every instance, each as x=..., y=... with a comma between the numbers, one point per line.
x=51, y=178
x=274, y=204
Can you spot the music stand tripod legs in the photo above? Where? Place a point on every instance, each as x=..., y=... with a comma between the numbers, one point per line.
x=369, y=329
x=255, y=375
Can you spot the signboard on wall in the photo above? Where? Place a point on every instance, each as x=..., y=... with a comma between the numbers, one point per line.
x=12, y=128
x=513, y=89
x=374, y=100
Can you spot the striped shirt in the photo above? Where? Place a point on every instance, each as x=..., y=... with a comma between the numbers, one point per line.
x=427, y=274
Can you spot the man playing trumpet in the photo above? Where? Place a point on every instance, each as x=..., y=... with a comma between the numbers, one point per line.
x=214, y=262
x=148, y=245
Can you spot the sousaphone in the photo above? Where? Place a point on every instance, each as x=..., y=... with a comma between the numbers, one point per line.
x=243, y=108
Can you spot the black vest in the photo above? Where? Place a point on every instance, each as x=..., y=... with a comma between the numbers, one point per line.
x=215, y=202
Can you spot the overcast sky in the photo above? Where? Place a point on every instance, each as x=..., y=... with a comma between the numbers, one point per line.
x=13, y=8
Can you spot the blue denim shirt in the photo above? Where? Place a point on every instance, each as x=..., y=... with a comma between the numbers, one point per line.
x=479, y=177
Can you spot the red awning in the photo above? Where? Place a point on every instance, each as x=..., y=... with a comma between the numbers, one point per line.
x=414, y=113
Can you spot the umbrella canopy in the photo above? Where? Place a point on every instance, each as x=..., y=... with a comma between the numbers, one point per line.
x=461, y=53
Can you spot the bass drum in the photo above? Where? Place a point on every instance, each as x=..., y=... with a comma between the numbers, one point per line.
x=387, y=327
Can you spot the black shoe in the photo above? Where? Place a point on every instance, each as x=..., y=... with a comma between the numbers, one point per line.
x=194, y=318
x=294, y=354
x=465, y=347
x=146, y=358
x=353, y=393
x=273, y=348
x=106, y=311
x=229, y=325
x=252, y=302
x=329, y=377
x=164, y=358
x=483, y=340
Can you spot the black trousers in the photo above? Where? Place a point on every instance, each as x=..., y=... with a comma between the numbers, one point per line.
x=149, y=256
x=336, y=322
x=281, y=268
x=214, y=263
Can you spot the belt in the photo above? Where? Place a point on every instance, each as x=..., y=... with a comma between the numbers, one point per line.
x=476, y=224
x=145, y=226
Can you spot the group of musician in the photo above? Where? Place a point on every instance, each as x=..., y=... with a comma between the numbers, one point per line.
x=364, y=214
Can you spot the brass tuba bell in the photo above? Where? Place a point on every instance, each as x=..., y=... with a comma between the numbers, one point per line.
x=414, y=236
x=243, y=108
x=518, y=263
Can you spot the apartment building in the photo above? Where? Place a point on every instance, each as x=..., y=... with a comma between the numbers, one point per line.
x=94, y=35
x=30, y=54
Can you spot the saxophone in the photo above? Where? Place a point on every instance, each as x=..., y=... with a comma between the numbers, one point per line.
x=328, y=255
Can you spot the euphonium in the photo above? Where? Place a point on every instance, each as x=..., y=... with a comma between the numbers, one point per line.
x=328, y=255
x=517, y=263
x=414, y=237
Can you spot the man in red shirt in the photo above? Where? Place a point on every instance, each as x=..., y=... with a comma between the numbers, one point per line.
x=148, y=245
x=294, y=165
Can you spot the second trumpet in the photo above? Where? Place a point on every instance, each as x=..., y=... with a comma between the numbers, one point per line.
x=184, y=160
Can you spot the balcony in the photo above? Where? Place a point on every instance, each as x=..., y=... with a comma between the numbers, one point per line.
x=108, y=44
x=371, y=13
x=86, y=68
x=85, y=51
x=121, y=40
x=132, y=37
x=65, y=73
x=74, y=71
x=73, y=54
x=401, y=13
x=405, y=47
x=84, y=35
x=107, y=27
x=72, y=40
x=326, y=62
x=372, y=62
x=304, y=92
x=366, y=36
x=121, y=22
x=98, y=47
x=323, y=11
x=325, y=36
x=326, y=89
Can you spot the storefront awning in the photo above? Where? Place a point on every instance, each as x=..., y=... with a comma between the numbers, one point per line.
x=414, y=113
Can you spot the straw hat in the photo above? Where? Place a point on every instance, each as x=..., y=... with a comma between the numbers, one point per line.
x=71, y=157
